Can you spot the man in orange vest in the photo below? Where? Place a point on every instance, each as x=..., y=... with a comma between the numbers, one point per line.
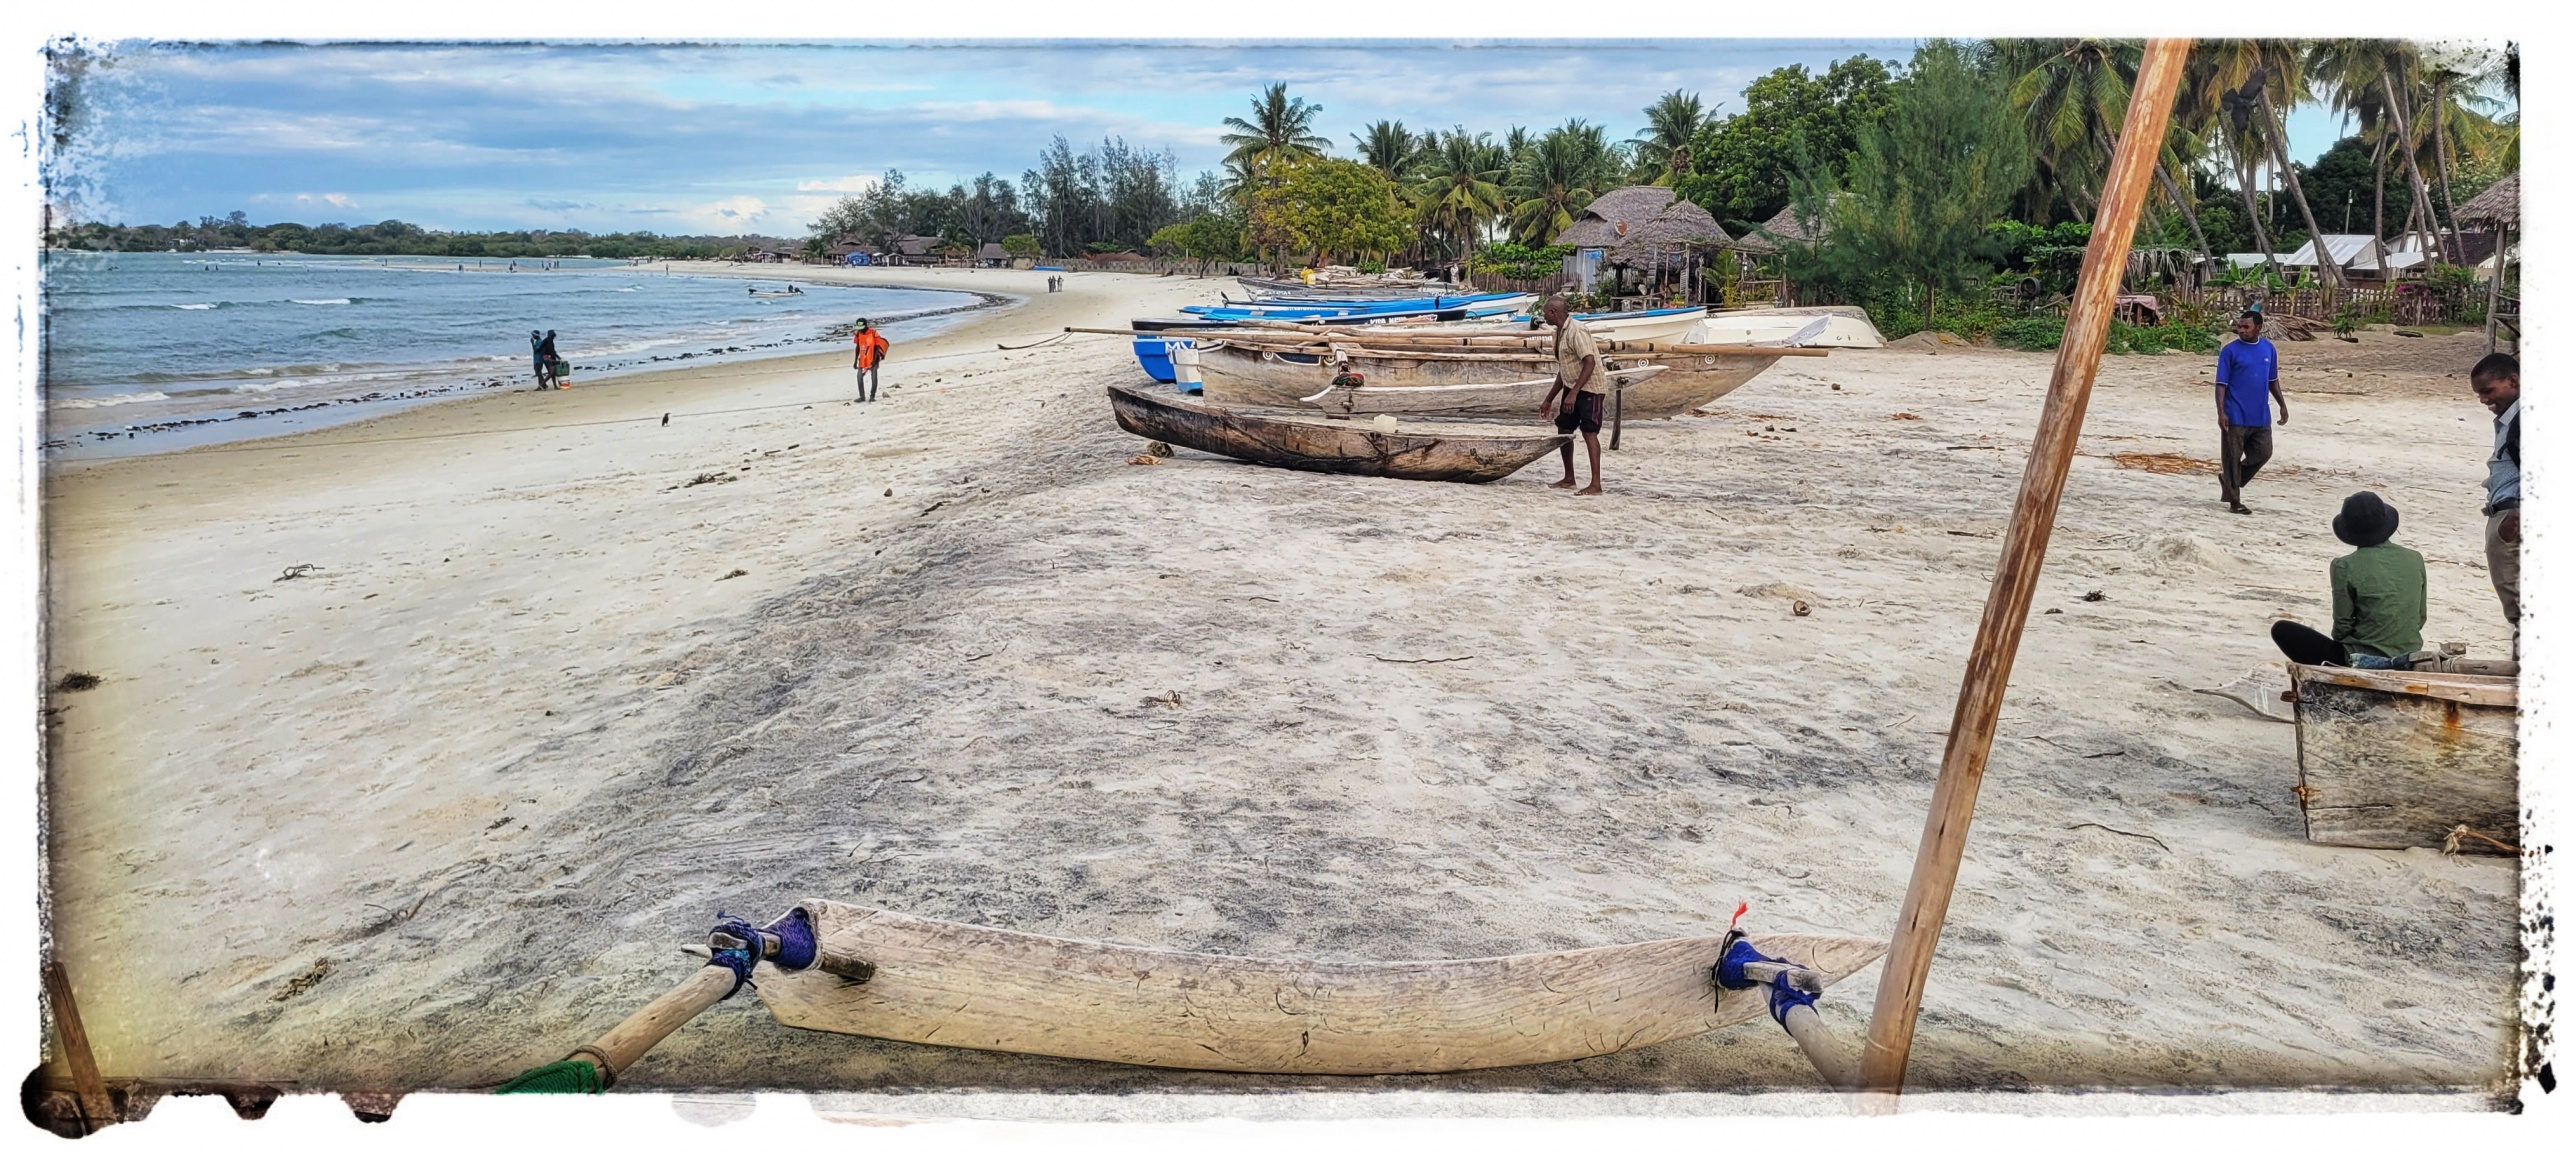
x=868, y=348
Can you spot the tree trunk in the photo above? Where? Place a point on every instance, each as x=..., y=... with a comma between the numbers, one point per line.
x=2417, y=182
x=2329, y=274
x=2177, y=196
x=2249, y=192
x=2444, y=175
x=2186, y=208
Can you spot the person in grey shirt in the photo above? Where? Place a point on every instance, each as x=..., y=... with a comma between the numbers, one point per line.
x=2496, y=380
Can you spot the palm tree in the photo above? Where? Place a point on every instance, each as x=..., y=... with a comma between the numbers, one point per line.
x=2365, y=78
x=1675, y=127
x=1393, y=149
x=1279, y=127
x=2451, y=127
x=2258, y=82
x=1464, y=189
x=2071, y=97
x=1561, y=172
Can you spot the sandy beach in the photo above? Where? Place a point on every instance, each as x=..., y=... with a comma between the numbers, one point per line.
x=569, y=673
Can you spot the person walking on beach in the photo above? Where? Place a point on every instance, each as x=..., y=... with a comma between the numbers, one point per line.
x=548, y=352
x=869, y=347
x=541, y=364
x=2497, y=381
x=2378, y=596
x=2243, y=379
x=1578, y=383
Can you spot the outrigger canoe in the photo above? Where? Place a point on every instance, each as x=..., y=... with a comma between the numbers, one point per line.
x=1278, y=373
x=1309, y=441
x=870, y=972
x=1506, y=397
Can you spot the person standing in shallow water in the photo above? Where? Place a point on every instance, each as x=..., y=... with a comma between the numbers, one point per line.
x=2497, y=381
x=1578, y=382
x=2244, y=378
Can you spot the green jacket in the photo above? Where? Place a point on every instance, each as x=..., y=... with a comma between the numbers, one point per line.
x=2381, y=600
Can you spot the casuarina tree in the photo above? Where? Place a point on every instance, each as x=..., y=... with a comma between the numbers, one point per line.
x=1926, y=181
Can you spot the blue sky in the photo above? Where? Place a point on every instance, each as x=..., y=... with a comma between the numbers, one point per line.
x=732, y=138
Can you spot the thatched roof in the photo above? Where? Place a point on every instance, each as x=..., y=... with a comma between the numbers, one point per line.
x=2496, y=205
x=1785, y=226
x=1643, y=224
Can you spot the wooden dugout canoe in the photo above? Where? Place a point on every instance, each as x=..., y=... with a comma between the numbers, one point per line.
x=2395, y=760
x=1279, y=375
x=1307, y=440
x=1461, y=399
x=970, y=987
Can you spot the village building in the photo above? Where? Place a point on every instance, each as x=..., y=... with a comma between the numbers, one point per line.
x=1649, y=231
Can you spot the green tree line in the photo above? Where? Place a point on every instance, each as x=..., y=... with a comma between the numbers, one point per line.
x=390, y=238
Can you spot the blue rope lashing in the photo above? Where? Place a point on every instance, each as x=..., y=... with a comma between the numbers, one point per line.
x=1737, y=953
x=799, y=941
x=1783, y=995
x=739, y=960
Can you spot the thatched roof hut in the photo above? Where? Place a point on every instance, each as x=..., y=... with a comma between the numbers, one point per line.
x=1645, y=225
x=1784, y=227
x=2496, y=205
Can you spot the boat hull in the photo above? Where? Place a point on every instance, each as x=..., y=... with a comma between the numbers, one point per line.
x=2393, y=760
x=971, y=987
x=1309, y=442
x=1842, y=327
x=1244, y=375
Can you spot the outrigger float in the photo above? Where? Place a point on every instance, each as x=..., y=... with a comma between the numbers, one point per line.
x=843, y=968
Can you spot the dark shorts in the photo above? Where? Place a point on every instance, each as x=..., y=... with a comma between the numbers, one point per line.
x=1584, y=415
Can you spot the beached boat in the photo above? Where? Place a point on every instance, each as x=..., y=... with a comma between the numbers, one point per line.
x=978, y=988
x=1311, y=442
x=2395, y=760
x=869, y=972
x=1658, y=324
x=1503, y=397
x=1841, y=326
x=1275, y=374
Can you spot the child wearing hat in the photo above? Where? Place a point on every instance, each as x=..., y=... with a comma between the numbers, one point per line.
x=2379, y=593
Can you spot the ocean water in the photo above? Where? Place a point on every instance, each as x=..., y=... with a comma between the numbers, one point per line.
x=147, y=352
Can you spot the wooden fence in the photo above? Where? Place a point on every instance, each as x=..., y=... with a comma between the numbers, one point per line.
x=2406, y=303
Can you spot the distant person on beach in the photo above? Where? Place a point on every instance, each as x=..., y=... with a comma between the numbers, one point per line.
x=2498, y=380
x=541, y=364
x=1578, y=383
x=2378, y=596
x=869, y=347
x=2243, y=379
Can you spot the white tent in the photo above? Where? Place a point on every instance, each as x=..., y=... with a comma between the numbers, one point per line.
x=2344, y=251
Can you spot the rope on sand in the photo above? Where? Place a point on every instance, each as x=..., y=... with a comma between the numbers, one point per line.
x=1033, y=344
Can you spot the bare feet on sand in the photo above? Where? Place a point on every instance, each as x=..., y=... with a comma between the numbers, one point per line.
x=1593, y=490
x=1565, y=483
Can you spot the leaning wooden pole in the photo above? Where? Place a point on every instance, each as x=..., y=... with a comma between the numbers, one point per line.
x=2004, y=616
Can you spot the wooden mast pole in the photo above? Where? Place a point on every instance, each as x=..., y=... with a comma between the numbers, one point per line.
x=2004, y=615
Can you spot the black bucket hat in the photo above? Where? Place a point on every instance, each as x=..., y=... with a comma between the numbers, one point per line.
x=2365, y=520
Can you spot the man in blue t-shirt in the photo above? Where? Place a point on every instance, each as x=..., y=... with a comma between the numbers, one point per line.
x=2243, y=380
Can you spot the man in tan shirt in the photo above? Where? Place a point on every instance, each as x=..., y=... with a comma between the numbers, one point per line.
x=1579, y=383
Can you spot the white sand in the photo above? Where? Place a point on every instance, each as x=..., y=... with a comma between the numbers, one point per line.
x=516, y=738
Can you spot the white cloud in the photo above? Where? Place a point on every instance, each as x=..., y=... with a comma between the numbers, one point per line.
x=332, y=199
x=839, y=184
x=731, y=214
